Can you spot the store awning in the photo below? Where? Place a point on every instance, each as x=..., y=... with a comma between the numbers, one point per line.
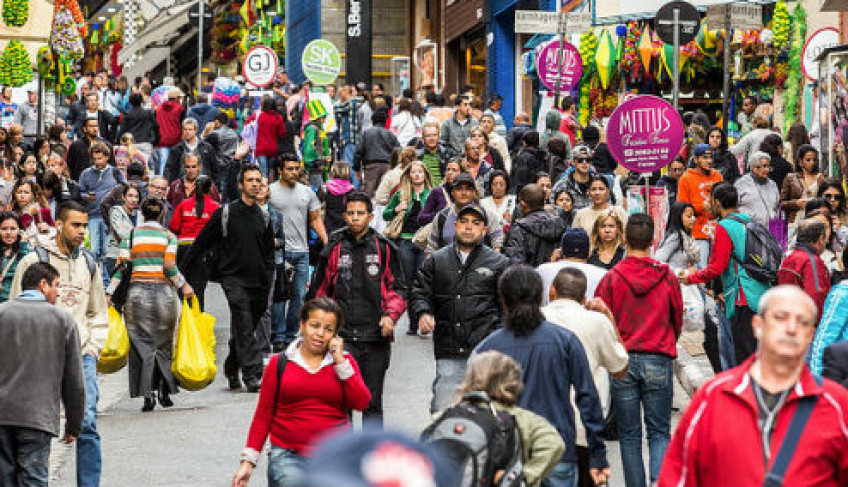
x=161, y=29
x=834, y=6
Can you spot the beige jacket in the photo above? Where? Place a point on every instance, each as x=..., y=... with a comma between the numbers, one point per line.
x=80, y=293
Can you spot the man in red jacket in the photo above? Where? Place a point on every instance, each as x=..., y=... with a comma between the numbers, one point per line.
x=644, y=296
x=803, y=267
x=169, y=117
x=736, y=428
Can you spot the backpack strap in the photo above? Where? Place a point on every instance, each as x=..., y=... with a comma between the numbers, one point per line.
x=90, y=261
x=43, y=255
x=282, y=360
x=775, y=475
x=815, y=269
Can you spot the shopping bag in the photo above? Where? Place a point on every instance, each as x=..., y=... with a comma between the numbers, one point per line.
x=115, y=353
x=779, y=227
x=194, y=360
x=693, y=307
x=207, y=327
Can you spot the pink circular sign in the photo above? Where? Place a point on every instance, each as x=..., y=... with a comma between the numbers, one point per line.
x=645, y=133
x=548, y=63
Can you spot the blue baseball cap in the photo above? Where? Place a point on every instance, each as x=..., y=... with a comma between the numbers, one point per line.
x=702, y=149
x=575, y=243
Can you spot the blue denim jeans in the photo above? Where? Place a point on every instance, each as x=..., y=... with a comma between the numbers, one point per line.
x=648, y=386
x=348, y=153
x=285, y=467
x=564, y=474
x=24, y=456
x=99, y=236
x=162, y=159
x=265, y=163
x=89, y=462
x=285, y=316
x=449, y=375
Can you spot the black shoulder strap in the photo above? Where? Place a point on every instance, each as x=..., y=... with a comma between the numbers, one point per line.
x=774, y=477
x=282, y=360
x=43, y=256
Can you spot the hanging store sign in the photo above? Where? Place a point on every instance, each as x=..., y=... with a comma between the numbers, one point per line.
x=818, y=42
x=358, y=41
x=645, y=133
x=559, y=73
x=259, y=66
x=321, y=62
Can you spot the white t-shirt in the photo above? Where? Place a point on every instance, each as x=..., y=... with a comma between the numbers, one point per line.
x=604, y=352
x=294, y=204
x=549, y=270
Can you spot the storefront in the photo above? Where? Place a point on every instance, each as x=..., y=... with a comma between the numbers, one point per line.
x=465, y=46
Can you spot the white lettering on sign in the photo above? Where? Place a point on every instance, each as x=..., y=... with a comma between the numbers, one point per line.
x=354, y=19
x=651, y=120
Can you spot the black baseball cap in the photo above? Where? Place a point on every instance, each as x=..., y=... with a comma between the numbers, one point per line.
x=473, y=208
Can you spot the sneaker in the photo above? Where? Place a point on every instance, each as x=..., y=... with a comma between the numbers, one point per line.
x=149, y=403
x=234, y=382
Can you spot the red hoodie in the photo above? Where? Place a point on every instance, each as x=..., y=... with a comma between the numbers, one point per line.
x=270, y=128
x=169, y=117
x=644, y=296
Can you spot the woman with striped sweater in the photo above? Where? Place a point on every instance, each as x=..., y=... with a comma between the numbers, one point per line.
x=153, y=307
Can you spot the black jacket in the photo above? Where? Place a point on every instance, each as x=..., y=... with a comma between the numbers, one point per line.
x=514, y=136
x=462, y=298
x=365, y=277
x=208, y=157
x=529, y=162
x=141, y=124
x=532, y=239
x=376, y=145
x=725, y=163
x=105, y=122
x=835, y=363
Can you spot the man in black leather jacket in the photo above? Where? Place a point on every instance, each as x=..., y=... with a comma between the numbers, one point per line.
x=455, y=298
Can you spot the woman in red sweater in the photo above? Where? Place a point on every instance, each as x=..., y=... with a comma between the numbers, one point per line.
x=319, y=383
x=270, y=128
x=190, y=216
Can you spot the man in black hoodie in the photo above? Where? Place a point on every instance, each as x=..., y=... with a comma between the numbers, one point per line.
x=533, y=238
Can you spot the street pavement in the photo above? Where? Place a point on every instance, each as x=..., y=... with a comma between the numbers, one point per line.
x=197, y=442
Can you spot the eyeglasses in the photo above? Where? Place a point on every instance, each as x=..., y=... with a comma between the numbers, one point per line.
x=833, y=197
x=160, y=188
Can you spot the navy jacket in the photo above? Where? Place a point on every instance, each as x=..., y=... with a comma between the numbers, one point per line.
x=552, y=361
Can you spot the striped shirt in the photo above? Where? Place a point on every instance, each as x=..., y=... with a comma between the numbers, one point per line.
x=153, y=256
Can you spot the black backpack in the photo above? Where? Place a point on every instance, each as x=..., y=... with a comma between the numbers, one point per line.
x=479, y=441
x=763, y=253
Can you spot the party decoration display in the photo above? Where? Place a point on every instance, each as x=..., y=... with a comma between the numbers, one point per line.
x=15, y=12
x=159, y=96
x=44, y=61
x=796, y=78
x=17, y=67
x=646, y=48
x=68, y=30
x=588, y=46
x=707, y=40
x=605, y=59
x=226, y=94
x=781, y=25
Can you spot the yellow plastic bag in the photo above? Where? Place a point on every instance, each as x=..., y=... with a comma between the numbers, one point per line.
x=194, y=359
x=115, y=353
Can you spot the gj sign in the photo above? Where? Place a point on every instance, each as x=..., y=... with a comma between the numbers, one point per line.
x=818, y=42
x=259, y=66
x=358, y=40
x=321, y=62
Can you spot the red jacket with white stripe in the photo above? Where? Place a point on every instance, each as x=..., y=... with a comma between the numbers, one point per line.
x=718, y=441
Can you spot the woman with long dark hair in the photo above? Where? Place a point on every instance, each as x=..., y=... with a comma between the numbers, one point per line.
x=723, y=161
x=802, y=185
x=12, y=249
x=678, y=247
x=190, y=216
x=832, y=192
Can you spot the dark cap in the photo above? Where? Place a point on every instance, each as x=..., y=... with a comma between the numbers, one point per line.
x=473, y=208
x=136, y=169
x=575, y=243
x=464, y=178
x=702, y=149
x=377, y=458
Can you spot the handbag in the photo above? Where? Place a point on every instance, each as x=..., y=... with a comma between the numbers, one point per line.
x=422, y=236
x=779, y=227
x=394, y=228
x=119, y=296
x=283, y=282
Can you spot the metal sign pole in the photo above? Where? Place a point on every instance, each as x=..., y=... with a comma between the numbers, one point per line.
x=40, y=119
x=201, y=6
x=676, y=59
x=561, y=59
x=726, y=85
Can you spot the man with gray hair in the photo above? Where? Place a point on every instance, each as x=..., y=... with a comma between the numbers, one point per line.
x=803, y=267
x=191, y=143
x=759, y=196
x=772, y=400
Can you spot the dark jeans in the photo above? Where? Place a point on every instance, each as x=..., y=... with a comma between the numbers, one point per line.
x=711, y=342
x=246, y=309
x=744, y=342
x=584, y=478
x=648, y=386
x=24, y=457
x=411, y=258
x=285, y=316
x=197, y=278
x=373, y=359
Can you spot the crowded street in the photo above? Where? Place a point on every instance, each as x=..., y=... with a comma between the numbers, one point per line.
x=429, y=243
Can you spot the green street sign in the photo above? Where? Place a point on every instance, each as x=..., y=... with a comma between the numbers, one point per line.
x=321, y=62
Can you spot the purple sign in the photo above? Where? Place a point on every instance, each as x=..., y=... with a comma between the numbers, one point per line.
x=645, y=133
x=548, y=63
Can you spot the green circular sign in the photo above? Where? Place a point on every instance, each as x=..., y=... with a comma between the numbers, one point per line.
x=321, y=62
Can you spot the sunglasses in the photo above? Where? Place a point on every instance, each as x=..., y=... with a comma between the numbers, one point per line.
x=833, y=197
